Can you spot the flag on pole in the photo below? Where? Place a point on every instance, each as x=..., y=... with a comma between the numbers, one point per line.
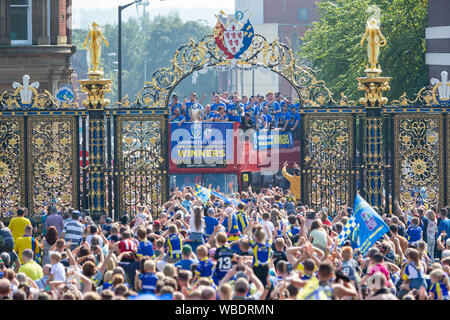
x=225, y=199
x=203, y=193
x=346, y=231
x=371, y=226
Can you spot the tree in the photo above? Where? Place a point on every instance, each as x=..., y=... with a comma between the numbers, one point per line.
x=332, y=46
x=152, y=42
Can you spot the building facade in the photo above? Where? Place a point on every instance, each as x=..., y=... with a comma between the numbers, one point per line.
x=35, y=39
x=437, y=36
x=286, y=20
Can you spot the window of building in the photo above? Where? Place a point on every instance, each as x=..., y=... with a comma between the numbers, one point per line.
x=20, y=21
x=303, y=14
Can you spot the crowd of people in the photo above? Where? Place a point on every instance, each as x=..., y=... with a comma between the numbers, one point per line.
x=239, y=246
x=259, y=112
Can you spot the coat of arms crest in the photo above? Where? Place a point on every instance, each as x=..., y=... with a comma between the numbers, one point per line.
x=231, y=36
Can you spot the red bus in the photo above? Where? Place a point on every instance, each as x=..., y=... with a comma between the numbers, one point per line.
x=211, y=153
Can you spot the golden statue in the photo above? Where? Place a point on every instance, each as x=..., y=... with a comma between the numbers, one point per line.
x=95, y=45
x=373, y=36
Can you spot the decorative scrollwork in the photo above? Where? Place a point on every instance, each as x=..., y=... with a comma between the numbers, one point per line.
x=275, y=56
x=40, y=100
x=419, y=156
x=51, y=158
x=423, y=98
x=11, y=165
x=143, y=163
x=328, y=146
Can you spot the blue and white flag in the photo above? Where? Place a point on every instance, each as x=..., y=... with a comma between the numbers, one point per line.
x=225, y=199
x=203, y=193
x=371, y=226
x=346, y=231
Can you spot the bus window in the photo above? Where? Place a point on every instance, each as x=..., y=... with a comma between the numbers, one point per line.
x=185, y=179
x=216, y=180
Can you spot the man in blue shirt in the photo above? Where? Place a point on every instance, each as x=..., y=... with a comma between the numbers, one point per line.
x=294, y=122
x=186, y=261
x=444, y=224
x=268, y=119
x=274, y=106
x=208, y=115
x=217, y=103
x=280, y=100
x=222, y=116
x=177, y=117
x=282, y=118
x=194, y=109
x=250, y=108
x=236, y=107
x=175, y=104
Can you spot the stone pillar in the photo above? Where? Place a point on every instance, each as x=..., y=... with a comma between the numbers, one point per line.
x=4, y=23
x=43, y=37
x=95, y=88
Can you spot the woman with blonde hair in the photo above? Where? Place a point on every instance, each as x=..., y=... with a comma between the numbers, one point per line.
x=431, y=231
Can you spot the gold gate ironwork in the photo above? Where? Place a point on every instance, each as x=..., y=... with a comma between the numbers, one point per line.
x=142, y=149
x=419, y=159
x=328, y=171
x=52, y=159
x=12, y=164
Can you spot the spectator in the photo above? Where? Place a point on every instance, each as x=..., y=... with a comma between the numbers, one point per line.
x=17, y=225
x=30, y=267
x=54, y=219
x=73, y=231
x=26, y=242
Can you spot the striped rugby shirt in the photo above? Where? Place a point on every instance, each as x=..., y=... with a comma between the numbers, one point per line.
x=73, y=231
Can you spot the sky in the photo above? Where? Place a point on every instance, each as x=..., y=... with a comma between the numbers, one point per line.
x=105, y=11
x=216, y=4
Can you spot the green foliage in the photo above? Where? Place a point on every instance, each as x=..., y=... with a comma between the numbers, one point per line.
x=155, y=42
x=332, y=47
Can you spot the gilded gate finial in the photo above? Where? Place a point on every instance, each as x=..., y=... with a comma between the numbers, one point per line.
x=95, y=38
x=373, y=36
x=373, y=84
x=95, y=87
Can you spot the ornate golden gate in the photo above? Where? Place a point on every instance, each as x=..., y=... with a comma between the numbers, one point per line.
x=38, y=151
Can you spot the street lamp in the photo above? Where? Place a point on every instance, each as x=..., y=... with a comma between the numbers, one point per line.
x=120, y=9
x=143, y=4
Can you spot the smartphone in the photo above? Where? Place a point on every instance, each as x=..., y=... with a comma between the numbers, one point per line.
x=289, y=267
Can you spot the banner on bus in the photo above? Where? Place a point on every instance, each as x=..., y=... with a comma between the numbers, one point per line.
x=201, y=145
x=273, y=139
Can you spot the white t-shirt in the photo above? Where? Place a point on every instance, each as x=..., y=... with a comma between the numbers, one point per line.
x=192, y=225
x=268, y=225
x=89, y=239
x=58, y=272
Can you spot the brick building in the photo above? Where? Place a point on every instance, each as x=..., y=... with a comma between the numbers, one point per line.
x=437, y=36
x=35, y=39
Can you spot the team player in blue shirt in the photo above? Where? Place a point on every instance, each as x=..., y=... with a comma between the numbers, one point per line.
x=146, y=282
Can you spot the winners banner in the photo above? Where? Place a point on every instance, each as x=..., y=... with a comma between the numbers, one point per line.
x=201, y=145
x=274, y=139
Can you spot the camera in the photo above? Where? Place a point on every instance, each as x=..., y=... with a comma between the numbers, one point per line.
x=311, y=215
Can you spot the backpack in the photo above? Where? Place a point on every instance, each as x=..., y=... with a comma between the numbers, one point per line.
x=418, y=282
x=6, y=241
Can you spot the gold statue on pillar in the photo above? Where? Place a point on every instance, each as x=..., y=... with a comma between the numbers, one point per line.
x=95, y=87
x=95, y=38
x=373, y=35
x=373, y=84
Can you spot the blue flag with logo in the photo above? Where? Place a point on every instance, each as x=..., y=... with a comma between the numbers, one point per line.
x=225, y=199
x=371, y=226
x=203, y=194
